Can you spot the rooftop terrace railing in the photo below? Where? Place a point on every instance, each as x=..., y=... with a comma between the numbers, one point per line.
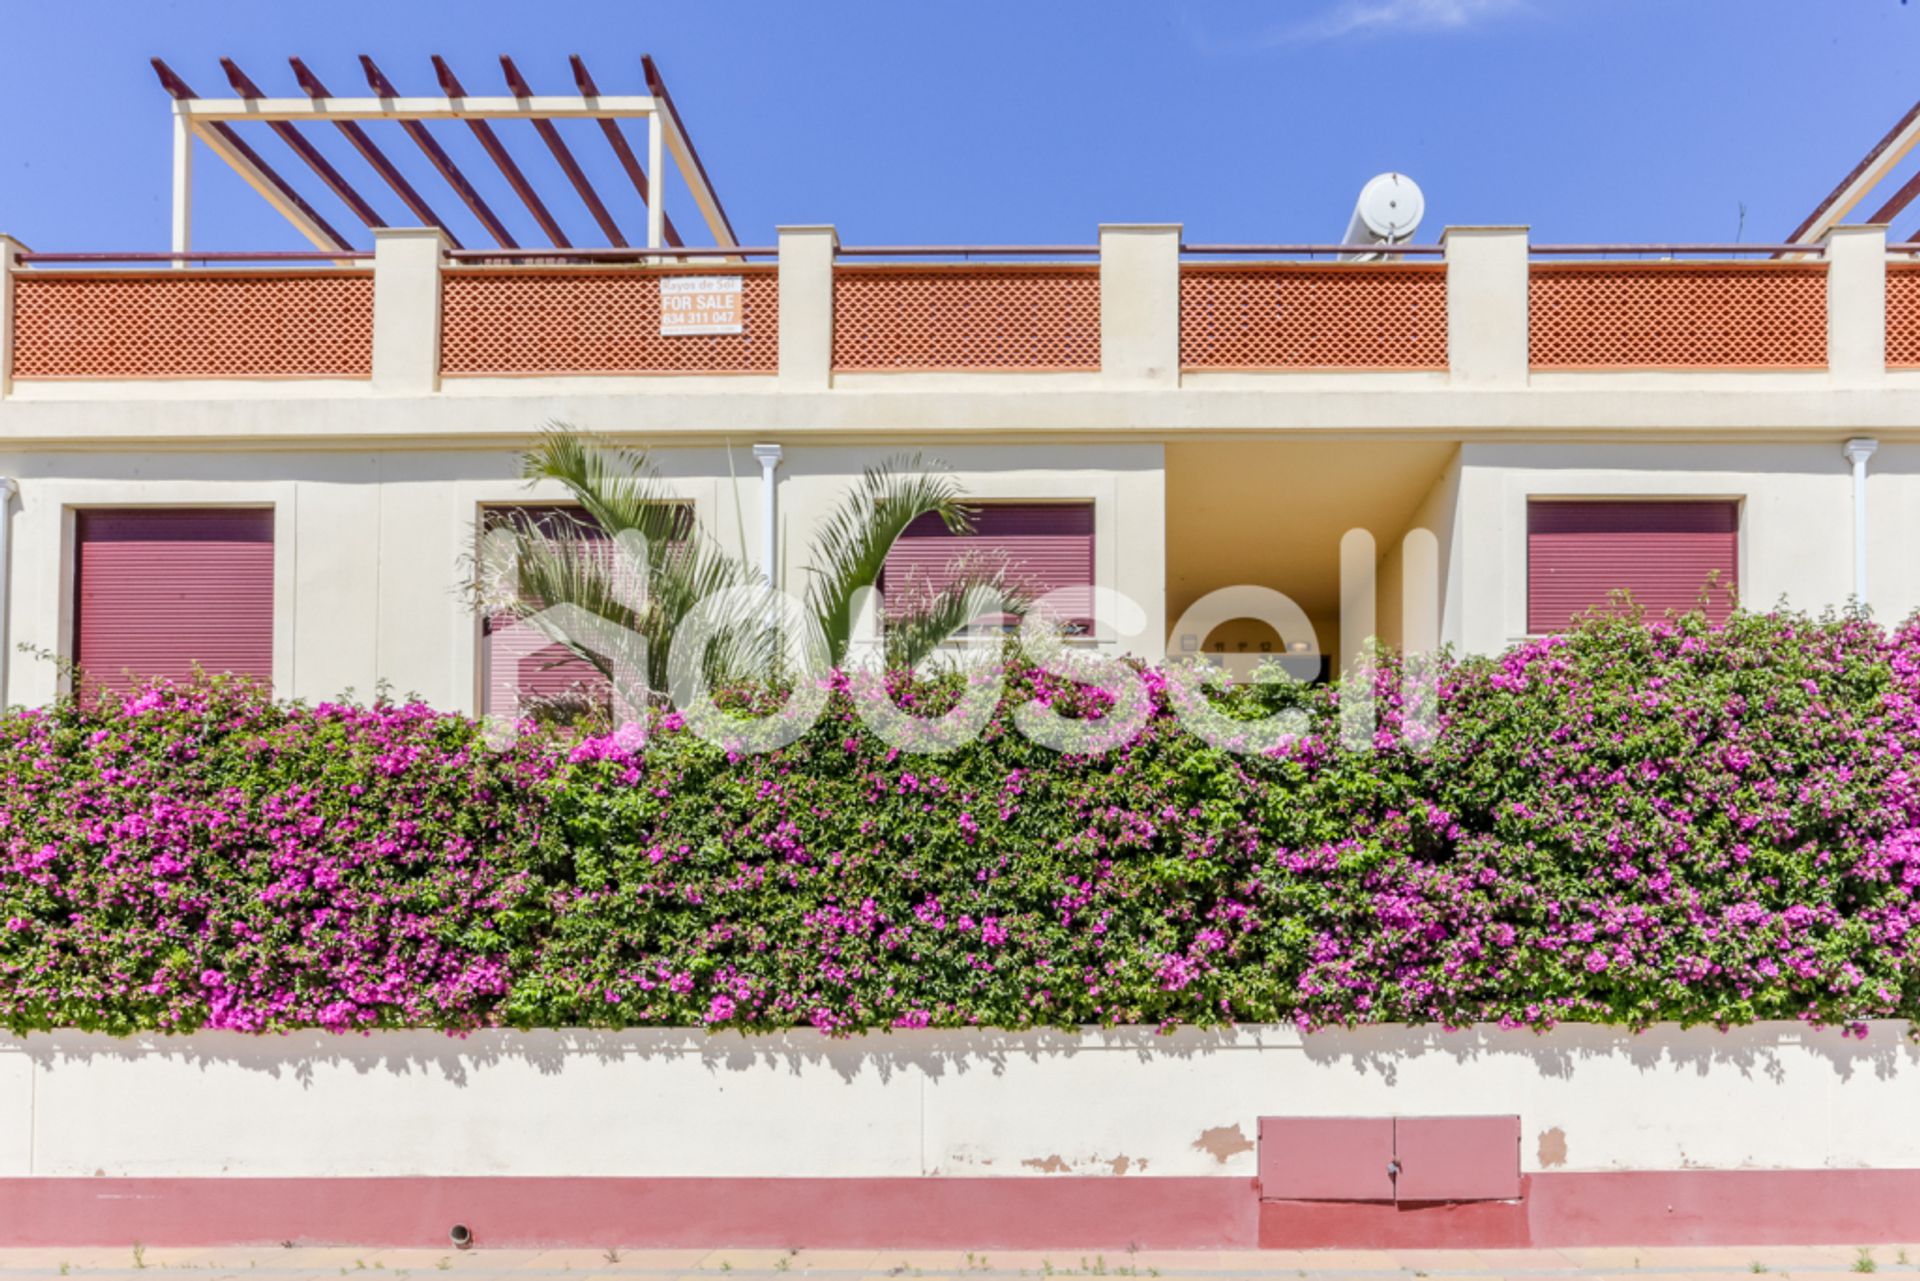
x=1311, y=315
x=588, y=318
x=966, y=316
x=188, y=259
x=1141, y=308
x=209, y=323
x=1677, y=314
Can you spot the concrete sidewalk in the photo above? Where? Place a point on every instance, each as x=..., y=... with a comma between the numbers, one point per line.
x=301, y=1263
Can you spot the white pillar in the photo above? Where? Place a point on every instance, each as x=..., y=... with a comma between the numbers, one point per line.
x=769, y=457
x=182, y=182
x=656, y=166
x=406, y=309
x=1420, y=637
x=8, y=248
x=1359, y=558
x=1857, y=304
x=1487, y=305
x=806, y=307
x=1140, y=304
x=1359, y=604
x=8, y=488
x=1857, y=451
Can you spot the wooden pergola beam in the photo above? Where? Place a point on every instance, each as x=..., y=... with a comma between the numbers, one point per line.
x=441, y=161
x=692, y=171
x=1874, y=166
x=563, y=156
x=375, y=158
x=1898, y=201
x=226, y=143
x=502, y=159
x=298, y=144
x=622, y=149
x=215, y=122
x=396, y=106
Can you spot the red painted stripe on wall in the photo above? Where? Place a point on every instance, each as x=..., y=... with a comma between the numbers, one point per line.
x=1173, y=1213
x=1626, y=1207
x=1661, y=1207
x=1713, y=1207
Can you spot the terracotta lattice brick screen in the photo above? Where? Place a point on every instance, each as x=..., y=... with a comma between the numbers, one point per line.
x=193, y=324
x=1313, y=316
x=504, y=320
x=1903, y=315
x=1678, y=315
x=936, y=316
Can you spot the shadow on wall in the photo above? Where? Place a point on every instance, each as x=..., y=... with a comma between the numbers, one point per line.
x=1888, y=1050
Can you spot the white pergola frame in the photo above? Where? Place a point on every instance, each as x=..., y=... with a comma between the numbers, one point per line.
x=193, y=119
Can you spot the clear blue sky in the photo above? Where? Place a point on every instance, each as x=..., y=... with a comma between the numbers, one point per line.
x=1034, y=121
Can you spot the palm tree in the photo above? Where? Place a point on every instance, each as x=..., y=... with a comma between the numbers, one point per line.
x=850, y=551
x=546, y=573
x=635, y=565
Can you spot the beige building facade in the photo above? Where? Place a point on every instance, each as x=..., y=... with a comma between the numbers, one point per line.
x=1227, y=418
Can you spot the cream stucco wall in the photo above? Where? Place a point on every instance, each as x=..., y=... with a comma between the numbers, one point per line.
x=1201, y=478
x=371, y=542
x=372, y=545
x=1124, y=1101
x=1796, y=512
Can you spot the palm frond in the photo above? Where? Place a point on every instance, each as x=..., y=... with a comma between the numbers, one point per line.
x=583, y=598
x=661, y=564
x=850, y=548
x=974, y=591
x=618, y=488
x=538, y=576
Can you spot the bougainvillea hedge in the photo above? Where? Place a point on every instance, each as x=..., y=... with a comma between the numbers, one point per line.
x=1631, y=823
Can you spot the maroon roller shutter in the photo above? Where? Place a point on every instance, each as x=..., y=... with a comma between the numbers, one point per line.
x=522, y=667
x=159, y=590
x=1045, y=547
x=1664, y=552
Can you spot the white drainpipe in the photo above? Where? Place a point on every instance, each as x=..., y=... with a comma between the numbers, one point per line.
x=769, y=456
x=1857, y=451
x=8, y=488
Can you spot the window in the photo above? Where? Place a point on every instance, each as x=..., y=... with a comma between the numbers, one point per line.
x=521, y=667
x=1670, y=554
x=159, y=590
x=1044, y=546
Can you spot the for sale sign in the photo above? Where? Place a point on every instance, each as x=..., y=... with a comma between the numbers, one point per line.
x=700, y=305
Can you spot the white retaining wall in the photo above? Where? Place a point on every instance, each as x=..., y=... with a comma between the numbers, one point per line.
x=1119, y=1102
